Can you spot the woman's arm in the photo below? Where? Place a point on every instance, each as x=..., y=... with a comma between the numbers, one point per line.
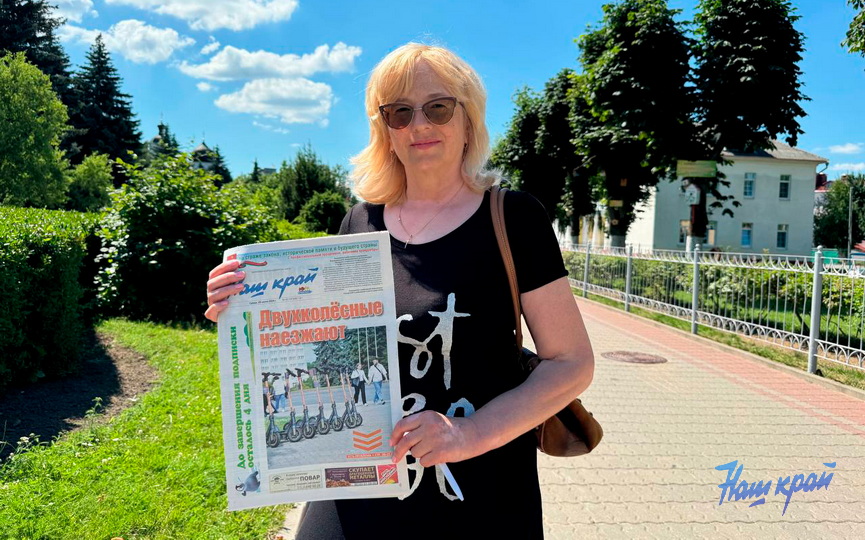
x=555, y=323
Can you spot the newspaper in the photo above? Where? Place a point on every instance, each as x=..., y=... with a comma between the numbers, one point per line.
x=311, y=311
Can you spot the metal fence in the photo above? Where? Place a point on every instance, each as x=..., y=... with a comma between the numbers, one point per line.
x=794, y=302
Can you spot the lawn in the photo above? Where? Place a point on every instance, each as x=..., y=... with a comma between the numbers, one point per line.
x=154, y=471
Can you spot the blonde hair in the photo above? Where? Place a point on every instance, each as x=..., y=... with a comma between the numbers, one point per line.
x=379, y=176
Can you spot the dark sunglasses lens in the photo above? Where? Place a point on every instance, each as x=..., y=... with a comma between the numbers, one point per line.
x=440, y=111
x=398, y=116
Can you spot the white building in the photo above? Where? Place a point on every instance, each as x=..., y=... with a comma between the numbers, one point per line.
x=776, y=192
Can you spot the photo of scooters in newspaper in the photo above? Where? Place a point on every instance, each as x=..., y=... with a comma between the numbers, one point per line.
x=309, y=396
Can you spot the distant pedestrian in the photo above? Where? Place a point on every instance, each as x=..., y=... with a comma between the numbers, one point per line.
x=278, y=393
x=377, y=374
x=358, y=382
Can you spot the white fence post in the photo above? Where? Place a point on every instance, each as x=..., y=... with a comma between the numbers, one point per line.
x=586, y=271
x=695, y=296
x=816, y=304
x=628, y=279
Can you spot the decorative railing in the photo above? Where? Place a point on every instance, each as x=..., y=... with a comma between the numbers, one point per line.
x=798, y=303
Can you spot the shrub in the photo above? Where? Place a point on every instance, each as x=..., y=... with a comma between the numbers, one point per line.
x=44, y=291
x=91, y=183
x=324, y=212
x=166, y=228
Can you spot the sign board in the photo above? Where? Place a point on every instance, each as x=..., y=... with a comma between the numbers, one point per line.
x=616, y=204
x=696, y=169
x=692, y=195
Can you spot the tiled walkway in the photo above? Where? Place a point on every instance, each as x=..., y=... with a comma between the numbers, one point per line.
x=667, y=426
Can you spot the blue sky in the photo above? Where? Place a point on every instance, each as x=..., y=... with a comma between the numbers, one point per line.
x=259, y=78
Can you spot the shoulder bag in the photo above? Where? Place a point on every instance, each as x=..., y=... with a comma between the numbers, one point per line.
x=573, y=431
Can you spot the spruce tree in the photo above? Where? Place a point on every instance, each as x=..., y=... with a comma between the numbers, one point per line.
x=105, y=115
x=256, y=172
x=220, y=168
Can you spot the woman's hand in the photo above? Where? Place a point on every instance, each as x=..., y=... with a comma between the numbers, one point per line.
x=434, y=438
x=224, y=281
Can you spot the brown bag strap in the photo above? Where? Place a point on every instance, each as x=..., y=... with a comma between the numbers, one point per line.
x=497, y=205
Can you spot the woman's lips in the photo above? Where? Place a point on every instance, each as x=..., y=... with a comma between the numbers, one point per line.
x=424, y=144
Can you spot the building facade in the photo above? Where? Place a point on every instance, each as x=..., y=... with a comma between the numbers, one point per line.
x=776, y=192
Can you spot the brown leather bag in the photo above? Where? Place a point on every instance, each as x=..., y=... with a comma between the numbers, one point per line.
x=573, y=431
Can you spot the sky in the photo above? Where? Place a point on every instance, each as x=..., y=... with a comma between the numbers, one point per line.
x=261, y=78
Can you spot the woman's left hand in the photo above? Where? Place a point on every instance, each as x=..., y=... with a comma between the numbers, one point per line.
x=434, y=438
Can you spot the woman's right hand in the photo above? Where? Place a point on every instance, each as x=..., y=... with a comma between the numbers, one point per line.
x=224, y=281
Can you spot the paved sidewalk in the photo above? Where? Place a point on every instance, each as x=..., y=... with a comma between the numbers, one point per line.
x=667, y=426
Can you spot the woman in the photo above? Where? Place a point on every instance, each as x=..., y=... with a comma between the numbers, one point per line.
x=422, y=175
x=359, y=380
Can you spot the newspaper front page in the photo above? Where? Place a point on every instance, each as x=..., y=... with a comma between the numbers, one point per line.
x=308, y=368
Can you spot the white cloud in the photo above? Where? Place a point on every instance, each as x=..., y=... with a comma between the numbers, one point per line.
x=205, y=87
x=848, y=167
x=268, y=127
x=290, y=100
x=74, y=10
x=213, y=14
x=232, y=63
x=210, y=47
x=132, y=39
x=849, y=148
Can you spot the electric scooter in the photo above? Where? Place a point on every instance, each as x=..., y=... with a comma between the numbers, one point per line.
x=322, y=424
x=307, y=425
x=290, y=430
x=350, y=417
x=272, y=435
x=335, y=420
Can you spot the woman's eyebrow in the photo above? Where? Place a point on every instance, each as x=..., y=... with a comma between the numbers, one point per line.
x=434, y=95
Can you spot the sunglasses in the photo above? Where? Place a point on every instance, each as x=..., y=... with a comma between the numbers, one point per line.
x=438, y=111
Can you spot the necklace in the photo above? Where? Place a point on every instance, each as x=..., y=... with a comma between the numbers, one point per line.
x=445, y=205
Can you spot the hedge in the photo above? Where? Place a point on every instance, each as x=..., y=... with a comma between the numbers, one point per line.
x=47, y=271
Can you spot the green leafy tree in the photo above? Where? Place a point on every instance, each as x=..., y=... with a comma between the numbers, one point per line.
x=164, y=144
x=635, y=86
x=91, y=184
x=747, y=82
x=305, y=175
x=165, y=229
x=830, y=219
x=105, y=113
x=324, y=212
x=33, y=119
x=855, y=40
x=29, y=26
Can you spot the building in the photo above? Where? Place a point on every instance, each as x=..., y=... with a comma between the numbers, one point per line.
x=776, y=192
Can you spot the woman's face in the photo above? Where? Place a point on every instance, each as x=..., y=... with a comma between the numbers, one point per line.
x=424, y=146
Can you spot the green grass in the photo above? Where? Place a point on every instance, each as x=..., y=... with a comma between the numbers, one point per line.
x=155, y=471
x=836, y=372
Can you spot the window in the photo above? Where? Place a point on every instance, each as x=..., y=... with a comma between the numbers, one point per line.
x=750, y=178
x=746, y=234
x=784, y=188
x=781, y=241
x=708, y=240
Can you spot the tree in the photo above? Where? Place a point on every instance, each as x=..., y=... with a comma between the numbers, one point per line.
x=220, y=169
x=306, y=175
x=637, y=119
x=105, y=114
x=539, y=156
x=33, y=119
x=91, y=184
x=830, y=219
x=324, y=212
x=855, y=40
x=256, y=172
x=164, y=144
x=748, y=84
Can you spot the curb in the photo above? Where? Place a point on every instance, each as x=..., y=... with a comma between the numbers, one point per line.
x=813, y=379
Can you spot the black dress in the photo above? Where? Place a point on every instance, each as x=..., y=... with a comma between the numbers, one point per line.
x=456, y=353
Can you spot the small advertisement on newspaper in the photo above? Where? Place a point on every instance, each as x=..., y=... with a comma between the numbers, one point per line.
x=308, y=374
